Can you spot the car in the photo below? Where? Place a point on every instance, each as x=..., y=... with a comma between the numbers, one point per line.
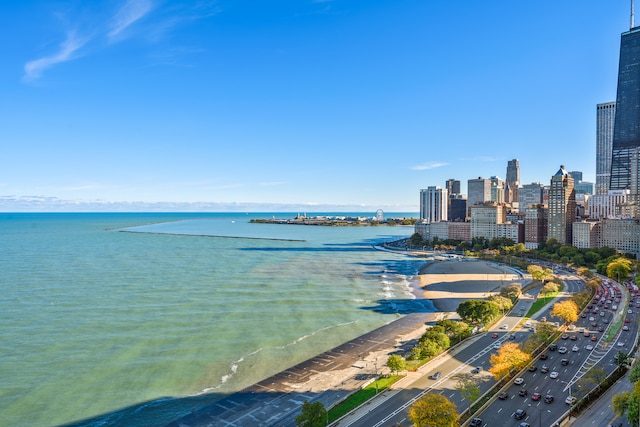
x=476, y=422
x=564, y=362
x=586, y=333
x=600, y=329
x=629, y=311
x=436, y=375
x=518, y=381
x=627, y=320
x=523, y=424
x=602, y=314
x=548, y=398
x=553, y=347
x=591, y=319
x=494, y=335
x=496, y=346
x=536, y=396
x=625, y=328
x=564, y=336
x=605, y=320
x=572, y=327
x=504, y=327
x=533, y=368
x=594, y=324
x=575, y=348
x=594, y=338
x=562, y=350
x=544, y=356
x=588, y=347
x=476, y=370
x=527, y=325
x=512, y=337
x=583, y=315
x=620, y=344
x=519, y=414
x=570, y=400
x=553, y=375
x=544, y=369
x=503, y=396
x=573, y=337
x=522, y=392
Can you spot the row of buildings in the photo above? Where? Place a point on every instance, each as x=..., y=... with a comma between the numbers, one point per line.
x=568, y=209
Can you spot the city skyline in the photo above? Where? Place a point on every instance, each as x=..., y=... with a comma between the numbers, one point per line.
x=323, y=105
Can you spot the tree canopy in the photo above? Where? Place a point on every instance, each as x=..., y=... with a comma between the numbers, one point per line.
x=509, y=358
x=478, y=311
x=433, y=410
x=567, y=310
x=312, y=415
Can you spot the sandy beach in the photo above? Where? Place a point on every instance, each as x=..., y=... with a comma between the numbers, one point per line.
x=447, y=284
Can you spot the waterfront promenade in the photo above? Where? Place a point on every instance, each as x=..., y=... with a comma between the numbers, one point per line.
x=333, y=375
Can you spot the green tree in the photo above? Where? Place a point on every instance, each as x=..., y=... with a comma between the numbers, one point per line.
x=469, y=390
x=620, y=403
x=415, y=239
x=478, y=311
x=433, y=410
x=503, y=303
x=619, y=269
x=312, y=415
x=511, y=291
x=455, y=330
x=396, y=363
x=634, y=375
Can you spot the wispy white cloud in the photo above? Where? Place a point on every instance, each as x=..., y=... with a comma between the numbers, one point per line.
x=427, y=166
x=132, y=11
x=34, y=69
x=271, y=184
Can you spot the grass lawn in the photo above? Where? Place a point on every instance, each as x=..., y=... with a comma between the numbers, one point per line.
x=361, y=396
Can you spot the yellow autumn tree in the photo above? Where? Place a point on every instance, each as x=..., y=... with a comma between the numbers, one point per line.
x=434, y=410
x=566, y=310
x=510, y=357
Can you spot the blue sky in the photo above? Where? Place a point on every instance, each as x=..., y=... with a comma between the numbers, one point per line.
x=141, y=104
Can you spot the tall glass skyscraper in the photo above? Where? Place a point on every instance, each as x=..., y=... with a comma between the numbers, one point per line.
x=605, y=115
x=626, y=131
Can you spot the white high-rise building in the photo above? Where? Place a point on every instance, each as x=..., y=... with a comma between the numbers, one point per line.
x=434, y=202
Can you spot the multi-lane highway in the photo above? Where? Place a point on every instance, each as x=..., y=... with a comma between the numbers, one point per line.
x=391, y=408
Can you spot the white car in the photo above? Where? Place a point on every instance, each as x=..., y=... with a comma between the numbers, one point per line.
x=575, y=348
x=589, y=347
x=518, y=381
x=527, y=325
x=570, y=400
x=553, y=375
x=504, y=327
x=496, y=346
x=562, y=350
x=620, y=344
x=629, y=311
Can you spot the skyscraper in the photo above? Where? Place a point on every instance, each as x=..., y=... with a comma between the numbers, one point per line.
x=478, y=191
x=606, y=114
x=434, y=202
x=562, y=207
x=452, y=186
x=626, y=129
x=513, y=180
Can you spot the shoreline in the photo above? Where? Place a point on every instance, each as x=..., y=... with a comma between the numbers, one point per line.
x=333, y=375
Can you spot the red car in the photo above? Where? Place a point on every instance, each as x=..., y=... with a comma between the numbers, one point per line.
x=494, y=335
x=627, y=321
x=594, y=338
x=536, y=396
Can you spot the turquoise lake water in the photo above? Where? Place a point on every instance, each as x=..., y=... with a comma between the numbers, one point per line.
x=102, y=327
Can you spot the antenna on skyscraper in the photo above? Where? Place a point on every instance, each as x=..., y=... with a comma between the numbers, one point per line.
x=632, y=14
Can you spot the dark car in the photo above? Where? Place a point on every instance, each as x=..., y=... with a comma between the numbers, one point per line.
x=544, y=356
x=564, y=362
x=533, y=368
x=522, y=392
x=519, y=414
x=548, y=398
x=436, y=375
x=476, y=422
x=503, y=396
x=553, y=347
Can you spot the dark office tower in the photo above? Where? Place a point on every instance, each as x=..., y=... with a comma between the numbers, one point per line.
x=626, y=129
x=453, y=186
x=513, y=179
x=606, y=114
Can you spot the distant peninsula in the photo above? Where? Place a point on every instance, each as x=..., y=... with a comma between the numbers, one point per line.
x=338, y=220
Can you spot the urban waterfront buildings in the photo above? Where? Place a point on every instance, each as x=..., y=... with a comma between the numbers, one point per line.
x=434, y=204
x=605, y=115
x=478, y=192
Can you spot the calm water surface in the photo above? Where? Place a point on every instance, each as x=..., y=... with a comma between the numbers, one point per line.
x=139, y=328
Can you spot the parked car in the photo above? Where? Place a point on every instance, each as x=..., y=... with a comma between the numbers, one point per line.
x=436, y=375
